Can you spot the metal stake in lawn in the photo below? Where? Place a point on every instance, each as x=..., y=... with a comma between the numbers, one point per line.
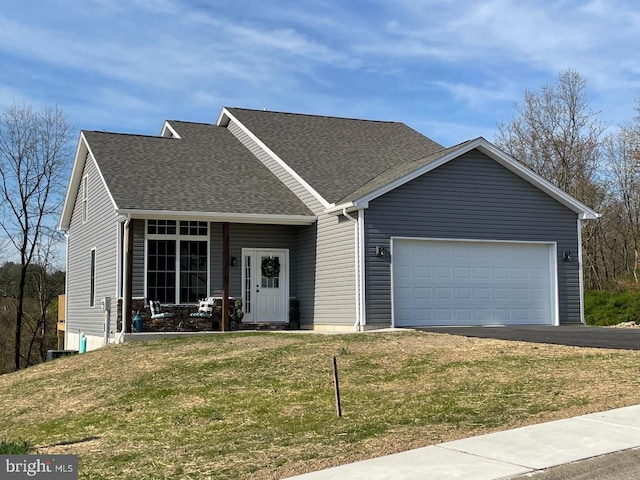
x=337, y=385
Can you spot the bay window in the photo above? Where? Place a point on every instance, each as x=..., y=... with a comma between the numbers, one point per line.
x=177, y=261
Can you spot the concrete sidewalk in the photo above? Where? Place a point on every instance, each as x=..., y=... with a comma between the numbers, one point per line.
x=503, y=455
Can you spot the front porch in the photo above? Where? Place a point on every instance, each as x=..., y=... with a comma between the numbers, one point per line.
x=179, y=263
x=181, y=319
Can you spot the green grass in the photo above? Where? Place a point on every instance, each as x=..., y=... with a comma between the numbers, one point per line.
x=605, y=308
x=15, y=447
x=262, y=405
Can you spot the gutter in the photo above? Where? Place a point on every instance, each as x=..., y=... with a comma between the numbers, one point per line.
x=359, y=323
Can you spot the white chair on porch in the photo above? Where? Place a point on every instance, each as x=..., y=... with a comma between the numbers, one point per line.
x=205, y=308
x=156, y=310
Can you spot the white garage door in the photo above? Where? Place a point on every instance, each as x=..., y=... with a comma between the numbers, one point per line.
x=438, y=282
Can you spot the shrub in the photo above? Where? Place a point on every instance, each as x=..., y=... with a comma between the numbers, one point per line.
x=610, y=308
x=20, y=447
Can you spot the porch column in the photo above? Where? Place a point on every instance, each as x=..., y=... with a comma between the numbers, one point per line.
x=128, y=291
x=224, y=321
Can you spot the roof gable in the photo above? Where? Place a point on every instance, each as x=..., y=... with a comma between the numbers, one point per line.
x=204, y=170
x=334, y=156
x=398, y=177
x=83, y=153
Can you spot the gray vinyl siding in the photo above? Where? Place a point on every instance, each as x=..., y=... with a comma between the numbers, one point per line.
x=471, y=197
x=100, y=231
x=138, y=282
x=335, y=302
x=329, y=296
x=306, y=260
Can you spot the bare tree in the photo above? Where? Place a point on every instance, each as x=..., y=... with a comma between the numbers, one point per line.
x=48, y=283
x=34, y=149
x=557, y=135
x=621, y=153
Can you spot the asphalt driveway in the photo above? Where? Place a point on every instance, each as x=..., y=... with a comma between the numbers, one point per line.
x=574, y=335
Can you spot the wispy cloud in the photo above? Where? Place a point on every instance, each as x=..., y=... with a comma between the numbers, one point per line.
x=476, y=96
x=142, y=59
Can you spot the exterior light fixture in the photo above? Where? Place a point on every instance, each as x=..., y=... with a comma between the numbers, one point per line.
x=381, y=251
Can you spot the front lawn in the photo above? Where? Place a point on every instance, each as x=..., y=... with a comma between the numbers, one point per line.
x=261, y=405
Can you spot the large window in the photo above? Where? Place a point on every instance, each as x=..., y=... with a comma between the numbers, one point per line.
x=177, y=261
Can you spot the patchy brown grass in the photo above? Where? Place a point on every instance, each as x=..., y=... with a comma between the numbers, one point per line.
x=262, y=405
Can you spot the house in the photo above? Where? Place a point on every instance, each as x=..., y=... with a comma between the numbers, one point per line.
x=367, y=224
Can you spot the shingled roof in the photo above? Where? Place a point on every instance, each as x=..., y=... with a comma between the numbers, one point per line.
x=338, y=156
x=207, y=170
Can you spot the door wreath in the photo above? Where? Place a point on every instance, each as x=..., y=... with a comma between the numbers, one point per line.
x=271, y=267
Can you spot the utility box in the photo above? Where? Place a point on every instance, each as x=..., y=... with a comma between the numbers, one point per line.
x=105, y=303
x=53, y=354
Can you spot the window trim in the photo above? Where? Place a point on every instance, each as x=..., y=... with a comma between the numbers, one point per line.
x=177, y=237
x=85, y=198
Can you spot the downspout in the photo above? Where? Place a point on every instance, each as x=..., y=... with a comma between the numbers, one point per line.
x=66, y=293
x=358, y=323
x=363, y=290
x=580, y=272
x=125, y=243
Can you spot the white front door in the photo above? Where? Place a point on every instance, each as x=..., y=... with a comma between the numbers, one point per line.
x=265, y=285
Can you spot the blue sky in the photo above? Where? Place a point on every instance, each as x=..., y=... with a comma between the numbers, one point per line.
x=450, y=69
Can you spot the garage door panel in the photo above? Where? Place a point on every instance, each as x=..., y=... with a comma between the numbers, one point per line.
x=482, y=273
x=423, y=293
x=483, y=316
x=403, y=316
x=537, y=294
x=403, y=250
x=423, y=315
x=521, y=315
x=442, y=272
x=520, y=294
x=404, y=293
x=472, y=283
x=443, y=293
x=501, y=294
x=462, y=273
x=402, y=271
x=539, y=316
x=422, y=272
x=539, y=273
x=500, y=273
x=482, y=294
x=440, y=251
x=463, y=293
x=520, y=274
x=444, y=315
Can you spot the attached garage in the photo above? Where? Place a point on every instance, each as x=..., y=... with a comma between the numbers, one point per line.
x=469, y=282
